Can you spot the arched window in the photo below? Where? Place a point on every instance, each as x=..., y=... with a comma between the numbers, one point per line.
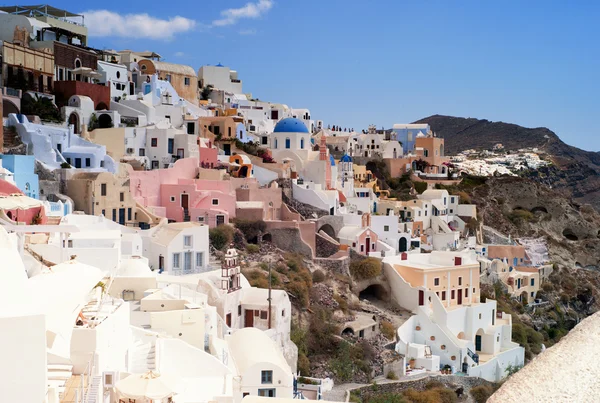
x=288, y=143
x=77, y=63
x=302, y=144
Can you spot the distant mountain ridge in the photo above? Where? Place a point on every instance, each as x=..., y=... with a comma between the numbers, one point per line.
x=575, y=170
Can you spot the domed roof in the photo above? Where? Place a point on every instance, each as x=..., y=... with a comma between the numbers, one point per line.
x=332, y=160
x=346, y=158
x=290, y=125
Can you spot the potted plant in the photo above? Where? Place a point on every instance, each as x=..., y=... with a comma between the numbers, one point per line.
x=411, y=362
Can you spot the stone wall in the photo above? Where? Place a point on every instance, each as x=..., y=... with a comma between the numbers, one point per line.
x=325, y=246
x=305, y=210
x=289, y=239
x=337, y=266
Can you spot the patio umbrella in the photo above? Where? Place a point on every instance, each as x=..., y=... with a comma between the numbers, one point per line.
x=150, y=385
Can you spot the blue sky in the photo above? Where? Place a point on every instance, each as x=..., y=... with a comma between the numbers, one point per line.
x=355, y=63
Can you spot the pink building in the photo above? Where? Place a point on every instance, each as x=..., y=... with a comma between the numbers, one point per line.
x=175, y=193
x=17, y=207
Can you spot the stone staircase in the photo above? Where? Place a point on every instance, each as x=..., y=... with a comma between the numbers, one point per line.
x=58, y=375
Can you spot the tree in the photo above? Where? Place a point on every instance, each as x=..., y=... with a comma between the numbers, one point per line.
x=40, y=106
x=206, y=92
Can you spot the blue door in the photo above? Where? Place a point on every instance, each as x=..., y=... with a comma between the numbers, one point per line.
x=122, y=216
x=477, y=343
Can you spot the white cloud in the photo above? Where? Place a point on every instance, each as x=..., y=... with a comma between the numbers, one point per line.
x=250, y=10
x=179, y=54
x=248, y=32
x=108, y=23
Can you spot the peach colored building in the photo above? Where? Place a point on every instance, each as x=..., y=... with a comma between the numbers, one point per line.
x=454, y=277
x=429, y=149
x=182, y=78
x=515, y=255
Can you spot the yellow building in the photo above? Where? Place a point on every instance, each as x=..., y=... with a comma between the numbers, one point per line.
x=182, y=78
x=97, y=193
x=27, y=69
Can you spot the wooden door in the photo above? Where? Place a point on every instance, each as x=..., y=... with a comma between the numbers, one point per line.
x=228, y=320
x=477, y=343
x=459, y=297
x=421, y=297
x=249, y=318
x=185, y=198
x=161, y=262
x=368, y=246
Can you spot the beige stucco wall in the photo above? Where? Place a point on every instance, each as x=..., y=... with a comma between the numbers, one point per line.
x=82, y=189
x=113, y=139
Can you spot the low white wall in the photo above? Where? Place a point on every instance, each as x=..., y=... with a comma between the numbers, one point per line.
x=136, y=284
x=23, y=355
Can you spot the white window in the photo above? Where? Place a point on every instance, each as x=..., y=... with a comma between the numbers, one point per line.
x=176, y=259
x=172, y=199
x=386, y=227
x=199, y=259
x=187, y=241
x=215, y=202
x=200, y=218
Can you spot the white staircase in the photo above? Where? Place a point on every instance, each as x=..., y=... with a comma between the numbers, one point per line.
x=58, y=375
x=143, y=357
x=92, y=394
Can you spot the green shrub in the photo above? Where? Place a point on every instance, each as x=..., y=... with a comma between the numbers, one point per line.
x=386, y=398
x=321, y=337
x=303, y=364
x=251, y=228
x=388, y=329
x=481, y=393
x=365, y=268
x=392, y=376
x=420, y=187
x=221, y=236
x=318, y=276
x=341, y=302
x=65, y=165
x=251, y=248
x=433, y=384
x=518, y=215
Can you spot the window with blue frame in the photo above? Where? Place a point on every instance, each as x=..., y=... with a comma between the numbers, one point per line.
x=171, y=143
x=288, y=143
x=515, y=261
x=532, y=282
x=302, y=144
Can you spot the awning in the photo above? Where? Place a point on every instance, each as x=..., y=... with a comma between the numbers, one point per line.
x=150, y=385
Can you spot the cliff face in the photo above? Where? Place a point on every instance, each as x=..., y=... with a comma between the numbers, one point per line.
x=574, y=170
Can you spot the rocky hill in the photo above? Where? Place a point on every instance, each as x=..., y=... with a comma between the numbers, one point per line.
x=574, y=170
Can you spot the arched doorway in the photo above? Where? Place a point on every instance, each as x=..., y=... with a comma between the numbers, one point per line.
x=348, y=332
x=479, y=340
x=403, y=245
x=374, y=292
x=74, y=120
x=9, y=107
x=105, y=121
x=243, y=172
x=328, y=229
